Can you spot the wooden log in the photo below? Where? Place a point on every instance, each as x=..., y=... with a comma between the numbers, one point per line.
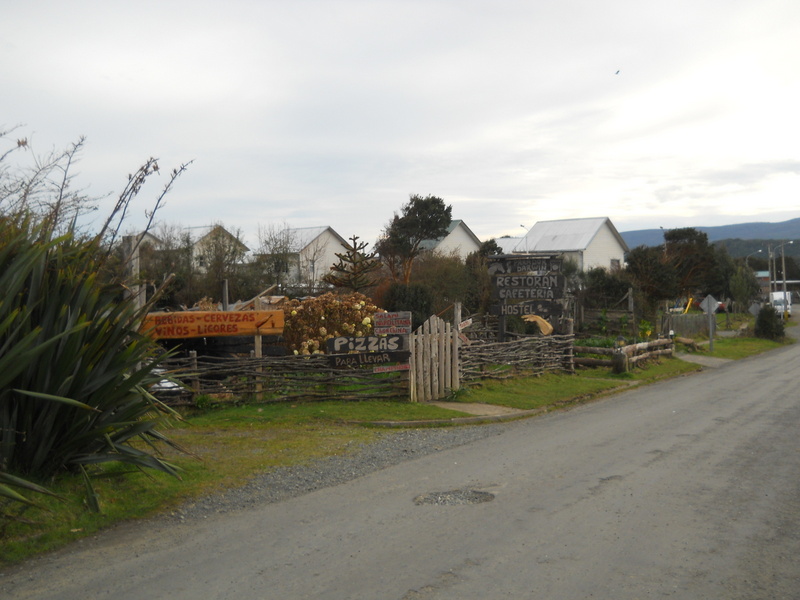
x=593, y=362
x=687, y=342
x=647, y=355
x=593, y=350
x=634, y=349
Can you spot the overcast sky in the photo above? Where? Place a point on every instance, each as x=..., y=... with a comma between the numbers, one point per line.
x=325, y=112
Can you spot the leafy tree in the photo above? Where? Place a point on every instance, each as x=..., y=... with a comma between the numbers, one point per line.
x=420, y=219
x=489, y=248
x=412, y=297
x=356, y=269
x=744, y=287
x=654, y=278
x=445, y=277
x=603, y=288
x=723, y=268
x=691, y=256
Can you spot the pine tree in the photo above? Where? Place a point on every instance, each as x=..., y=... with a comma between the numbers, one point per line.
x=355, y=268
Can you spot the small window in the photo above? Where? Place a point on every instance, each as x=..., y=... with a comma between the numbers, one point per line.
x=615, y=264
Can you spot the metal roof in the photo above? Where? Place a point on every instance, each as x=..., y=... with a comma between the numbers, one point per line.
x=301, y=237
x=507, y=244
x=565, y=235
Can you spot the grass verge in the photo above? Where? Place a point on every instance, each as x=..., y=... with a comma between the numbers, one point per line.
x=737, y=348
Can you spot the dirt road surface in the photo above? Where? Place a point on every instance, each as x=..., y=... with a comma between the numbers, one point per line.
x=685, y=489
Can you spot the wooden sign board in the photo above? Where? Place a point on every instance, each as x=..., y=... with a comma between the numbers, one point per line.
x=203, y=323
x=539, y=265
x=392, y=368
x=543, y=308
x=373, y=359
x=390, y=323
x=529, y=287
x=372, y=343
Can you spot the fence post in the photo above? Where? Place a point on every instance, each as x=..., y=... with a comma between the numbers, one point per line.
x=258, y=355
x=619, y=360
x=570, y=349
x=412, y=378
x=426, y=361
x=196, y=374
x=455, y=376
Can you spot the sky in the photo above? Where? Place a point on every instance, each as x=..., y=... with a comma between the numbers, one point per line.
x=304, y=113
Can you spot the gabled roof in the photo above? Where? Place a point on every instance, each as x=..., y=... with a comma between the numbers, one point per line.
x=219, y=230
x=302, y=237
x=432, y=244
x=566, y=235
x=507, y=244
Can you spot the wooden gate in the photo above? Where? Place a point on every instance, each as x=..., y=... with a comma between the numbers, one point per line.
x=434, y=361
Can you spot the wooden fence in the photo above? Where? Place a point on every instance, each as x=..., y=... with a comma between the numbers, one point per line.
x=623, y=358
x=277, y=379
x=689, y=326
x=434, y=361
x=501, y=360
x=440, y=360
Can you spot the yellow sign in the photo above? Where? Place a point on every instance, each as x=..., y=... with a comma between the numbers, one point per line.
x=212, y=323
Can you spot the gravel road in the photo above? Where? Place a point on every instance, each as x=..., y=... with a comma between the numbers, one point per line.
x=289, y=482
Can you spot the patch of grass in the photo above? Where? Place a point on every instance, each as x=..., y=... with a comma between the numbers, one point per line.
x=528, y=393
x=737, y=348
x=324, y=411
x=653, y=371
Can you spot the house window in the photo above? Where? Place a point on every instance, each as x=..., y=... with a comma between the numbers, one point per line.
x=615, y=264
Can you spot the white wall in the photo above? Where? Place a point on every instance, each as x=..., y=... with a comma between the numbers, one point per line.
x=458, y=241
x=317, y=258
x=602, y=249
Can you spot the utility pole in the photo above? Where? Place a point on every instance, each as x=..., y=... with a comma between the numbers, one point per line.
x=783, y=268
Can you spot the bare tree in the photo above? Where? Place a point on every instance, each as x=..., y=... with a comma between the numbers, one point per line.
x=310, y=267
x=277, y=252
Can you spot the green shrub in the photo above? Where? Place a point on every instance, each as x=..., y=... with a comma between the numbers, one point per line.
x=769, y=325
x=74, y=372
x=308, y=324
x=412, y=297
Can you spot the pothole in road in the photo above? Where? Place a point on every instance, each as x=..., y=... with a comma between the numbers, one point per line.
x=454, y=498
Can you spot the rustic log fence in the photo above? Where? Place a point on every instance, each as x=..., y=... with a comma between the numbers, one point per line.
x=530, y=355
x=441, y=360
x=623, y=358
x=278, y=379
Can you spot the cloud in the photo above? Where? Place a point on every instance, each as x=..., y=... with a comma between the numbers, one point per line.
x=323, y=113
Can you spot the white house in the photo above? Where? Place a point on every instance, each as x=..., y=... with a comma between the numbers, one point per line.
x=313, y=252
x=217, y=243
x=459, y=240
x=507, y=244
x=591, y=242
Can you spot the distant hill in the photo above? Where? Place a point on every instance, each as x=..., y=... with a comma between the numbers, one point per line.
x=740, y=239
